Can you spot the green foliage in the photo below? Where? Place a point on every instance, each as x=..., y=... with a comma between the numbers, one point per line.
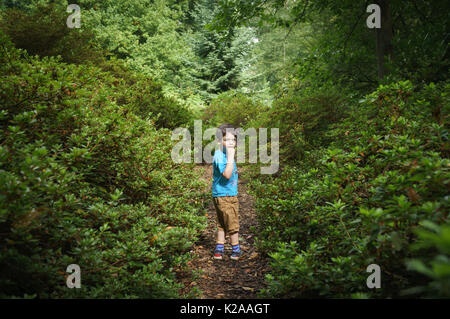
x=84, y=180
x=145, y=97
x=234, y=108
x=303, y=118
x=358, y=200
x=221, y=57
x=149, y=36
x=437, y=237
x=85, y=170
x=340, y=48
x=43, y=31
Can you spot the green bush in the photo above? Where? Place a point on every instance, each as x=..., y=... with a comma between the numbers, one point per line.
x=84, y=180
x=437, y=238
x=43, y=31
x=233, y=108
x=360, y=199
x=145, y=97
x=303, y=118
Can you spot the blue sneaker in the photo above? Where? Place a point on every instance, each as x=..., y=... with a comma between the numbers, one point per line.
x=218, y=254
x=235, y=255
x=236, y=251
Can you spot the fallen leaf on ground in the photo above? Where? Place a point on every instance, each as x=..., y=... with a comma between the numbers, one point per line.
x=254, y=255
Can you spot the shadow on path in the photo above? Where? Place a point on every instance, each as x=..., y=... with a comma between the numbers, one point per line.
x=228, y=278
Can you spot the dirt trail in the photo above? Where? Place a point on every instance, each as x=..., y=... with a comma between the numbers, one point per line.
x=228, y=278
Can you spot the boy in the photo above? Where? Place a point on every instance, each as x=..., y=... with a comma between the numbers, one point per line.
x=224, y=192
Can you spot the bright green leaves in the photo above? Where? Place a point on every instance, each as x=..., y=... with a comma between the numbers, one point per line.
x=85, y=180
x=361, y=198
x=434, y=236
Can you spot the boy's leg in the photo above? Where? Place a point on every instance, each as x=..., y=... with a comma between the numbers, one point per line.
x=234, y=238
x=220, y=236
x=220, y=239
x=236, y=249
x=233, y=214
x=220, y=245
x=227, y=221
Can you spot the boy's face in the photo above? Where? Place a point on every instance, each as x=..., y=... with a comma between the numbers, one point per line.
x=229, y=140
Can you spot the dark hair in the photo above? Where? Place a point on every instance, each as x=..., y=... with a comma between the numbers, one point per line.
x=222, y=131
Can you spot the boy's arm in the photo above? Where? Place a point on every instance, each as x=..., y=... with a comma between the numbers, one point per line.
x=229, y=168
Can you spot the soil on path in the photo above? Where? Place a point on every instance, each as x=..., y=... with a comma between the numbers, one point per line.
x=227, y=278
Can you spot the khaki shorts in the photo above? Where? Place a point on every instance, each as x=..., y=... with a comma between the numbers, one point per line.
x=227, y=217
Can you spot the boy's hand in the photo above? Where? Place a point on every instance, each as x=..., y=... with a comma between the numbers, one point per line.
x=230, y=159
x=230, y=153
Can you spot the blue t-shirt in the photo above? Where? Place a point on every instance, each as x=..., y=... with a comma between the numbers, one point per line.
x=222, y=186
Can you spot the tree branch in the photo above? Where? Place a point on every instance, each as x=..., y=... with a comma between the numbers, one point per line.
x=296, y=20
x=354, y=26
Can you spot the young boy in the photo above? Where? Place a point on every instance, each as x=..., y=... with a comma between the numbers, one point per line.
x=224, y=192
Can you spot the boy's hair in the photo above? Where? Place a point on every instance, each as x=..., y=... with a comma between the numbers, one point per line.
x=222, y=131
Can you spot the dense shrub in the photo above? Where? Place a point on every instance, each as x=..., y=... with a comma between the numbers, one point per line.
x=83, y=180
x=43, y=31
x=358, y=201
x=232, y=107
x=303, y=117
x=145, y=97
x=437, y=238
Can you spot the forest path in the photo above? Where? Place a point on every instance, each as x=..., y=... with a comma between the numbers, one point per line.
x=227, y=278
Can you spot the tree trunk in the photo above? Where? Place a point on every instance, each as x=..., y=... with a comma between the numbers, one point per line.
x=384, y=37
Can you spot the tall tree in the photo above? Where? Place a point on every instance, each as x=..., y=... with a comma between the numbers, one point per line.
x=220, y=55
x=417, y=30
x=384, y=37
